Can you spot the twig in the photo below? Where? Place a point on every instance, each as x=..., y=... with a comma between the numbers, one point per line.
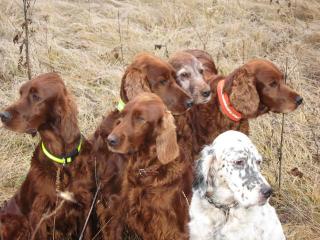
x=120, y=36
x=281, y=138
x=26, y=5
x=97, y=234
x=185, y=197
x=90, y=211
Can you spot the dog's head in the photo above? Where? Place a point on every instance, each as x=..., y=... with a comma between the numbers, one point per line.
x=144, y=121
x=209, y=66
x=259, y=87
x=148, y=73
x=229, y=172
x=190, y=76
x=44, y=102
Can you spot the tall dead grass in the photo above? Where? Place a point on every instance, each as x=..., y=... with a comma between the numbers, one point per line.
x=81, y=40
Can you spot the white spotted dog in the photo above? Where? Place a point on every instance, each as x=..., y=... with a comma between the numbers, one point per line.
x=230, y=196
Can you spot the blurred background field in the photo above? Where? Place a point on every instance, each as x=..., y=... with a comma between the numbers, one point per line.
x=90, y=42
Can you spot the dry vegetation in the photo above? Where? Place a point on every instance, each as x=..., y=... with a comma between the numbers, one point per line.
x=85, y=42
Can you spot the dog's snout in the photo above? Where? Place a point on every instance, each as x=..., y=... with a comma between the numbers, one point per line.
x=5, y=117
x=189, y=103
x=206, y=93
x=266, y=191
x=113, y=140
x=299, y=100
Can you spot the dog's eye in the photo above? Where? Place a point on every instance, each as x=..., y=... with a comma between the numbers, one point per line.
x=273, y=84
x=140, y=119
x=185, y=74
x=201, y=71
x=163, y=81
x=239, y=163
x=35, y=97
x=258, y=162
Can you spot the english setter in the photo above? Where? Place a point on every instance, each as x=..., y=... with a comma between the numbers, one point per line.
x=230, y=196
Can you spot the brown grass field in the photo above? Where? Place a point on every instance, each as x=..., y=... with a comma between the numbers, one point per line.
x=84, y=41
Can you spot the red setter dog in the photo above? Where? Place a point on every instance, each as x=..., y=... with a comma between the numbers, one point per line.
x=59, y=180
x=151, y=201
x=148, y=73
x=250, y=91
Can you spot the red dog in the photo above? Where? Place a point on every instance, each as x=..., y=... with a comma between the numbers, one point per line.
x=59, y=180
x=151, y=201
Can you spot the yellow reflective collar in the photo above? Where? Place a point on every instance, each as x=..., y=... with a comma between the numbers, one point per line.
x=120, y=105
x=63, y=160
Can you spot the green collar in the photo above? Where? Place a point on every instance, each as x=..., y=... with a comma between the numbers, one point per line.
x=121, y=105
x=65, y=159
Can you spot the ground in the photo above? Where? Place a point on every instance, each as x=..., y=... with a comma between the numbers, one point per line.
x=90, y=43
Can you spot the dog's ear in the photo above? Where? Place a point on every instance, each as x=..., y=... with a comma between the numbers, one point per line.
x=134, y=81
x=241, y=88
x=166, y=141
x=66, y=112
x=205, y=174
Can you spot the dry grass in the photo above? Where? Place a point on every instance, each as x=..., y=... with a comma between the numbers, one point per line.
x=80, y=39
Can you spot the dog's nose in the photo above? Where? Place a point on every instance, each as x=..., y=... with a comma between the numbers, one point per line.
x=5, y=117
x=113, y=140
x=266, y=191
x=299, y=100
x=189, y=103
x=206, y=93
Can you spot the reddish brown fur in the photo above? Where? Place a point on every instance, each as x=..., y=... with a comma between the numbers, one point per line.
x=182, y=121
x=13, y=224
x=148, y=73
x=254, y=89
x=139, y=78
x=151, y=201
x=46, y=107
x=110, y=168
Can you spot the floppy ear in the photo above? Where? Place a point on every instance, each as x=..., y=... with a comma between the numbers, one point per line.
x=166, y=141
x=200, y=182
x=133, y=82
x=241, y=88
x=67, y=112
x=205, y=174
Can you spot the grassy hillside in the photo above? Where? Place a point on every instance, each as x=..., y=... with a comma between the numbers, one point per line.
x=90, y=42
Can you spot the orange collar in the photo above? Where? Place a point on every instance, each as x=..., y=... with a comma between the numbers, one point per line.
x=225, y=104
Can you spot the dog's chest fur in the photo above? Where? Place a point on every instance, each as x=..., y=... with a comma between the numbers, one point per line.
x=255, y=223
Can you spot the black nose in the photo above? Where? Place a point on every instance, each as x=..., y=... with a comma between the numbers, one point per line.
x=299, y=100
x=5, y=117
x=113, y=140
x=189, y=103
x=206, y=93
x=266, y=191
